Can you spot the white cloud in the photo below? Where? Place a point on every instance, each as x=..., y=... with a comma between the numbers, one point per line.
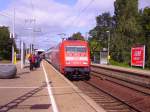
x=53, y=18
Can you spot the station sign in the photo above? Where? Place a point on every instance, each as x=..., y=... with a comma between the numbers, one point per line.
x=138, y=56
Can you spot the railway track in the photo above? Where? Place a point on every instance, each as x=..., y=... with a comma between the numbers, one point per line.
x=108, y=102
x=118, y=91
x=138, y=82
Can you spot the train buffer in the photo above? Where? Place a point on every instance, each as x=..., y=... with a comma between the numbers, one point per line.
x=43, y=90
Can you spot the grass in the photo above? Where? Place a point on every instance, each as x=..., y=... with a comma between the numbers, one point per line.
x=5, y=61
x=112, y=62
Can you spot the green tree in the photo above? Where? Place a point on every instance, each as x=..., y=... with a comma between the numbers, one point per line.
x=77, y=36
x=94, y=46
x=145, y=23
x=5, y=43
x=127, y=29
x=99, y=37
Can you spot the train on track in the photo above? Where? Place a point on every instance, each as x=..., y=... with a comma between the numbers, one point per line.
x=71, y=58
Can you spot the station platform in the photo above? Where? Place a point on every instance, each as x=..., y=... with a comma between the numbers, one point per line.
x=43, y=90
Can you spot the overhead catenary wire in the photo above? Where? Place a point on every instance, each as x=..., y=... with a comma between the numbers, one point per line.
x=34, y=16
x=32, y=6
x=76, y=18
x=71, y=23
x=83, y=10
x=34, y=20
x=31, y=22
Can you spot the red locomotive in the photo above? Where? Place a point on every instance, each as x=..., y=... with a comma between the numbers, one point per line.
x=71, y=58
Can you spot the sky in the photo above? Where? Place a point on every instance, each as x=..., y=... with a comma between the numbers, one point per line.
x=42, y=22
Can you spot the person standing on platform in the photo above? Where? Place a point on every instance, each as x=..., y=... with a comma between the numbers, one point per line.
x=32, y=61
x=38, y=60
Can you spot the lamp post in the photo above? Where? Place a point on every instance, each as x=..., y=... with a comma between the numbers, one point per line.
x=108, y=56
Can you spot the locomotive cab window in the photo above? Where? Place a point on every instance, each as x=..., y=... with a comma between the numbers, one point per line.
x=76, y=49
